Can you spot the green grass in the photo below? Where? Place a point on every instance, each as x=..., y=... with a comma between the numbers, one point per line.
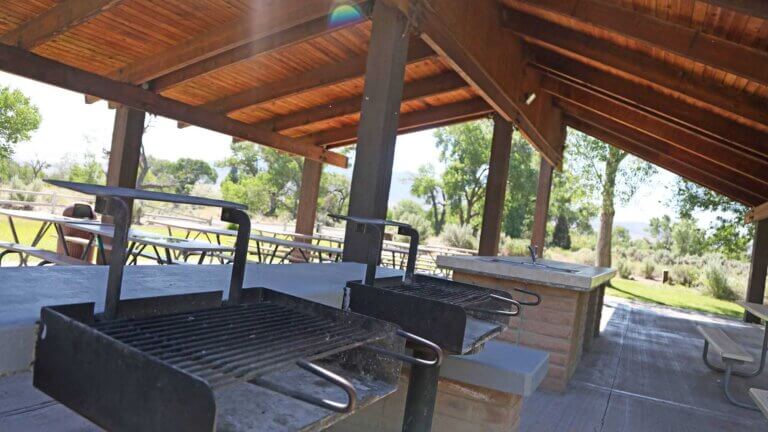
x=672, y=295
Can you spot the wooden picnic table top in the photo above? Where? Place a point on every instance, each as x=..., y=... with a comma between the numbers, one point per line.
x=39, y=216
x=756, y=309
x=174, y=243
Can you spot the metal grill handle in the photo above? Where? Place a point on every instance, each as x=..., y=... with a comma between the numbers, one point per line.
x=515, y=303
x=333, y=379
x=530, y=293
x=429, y=345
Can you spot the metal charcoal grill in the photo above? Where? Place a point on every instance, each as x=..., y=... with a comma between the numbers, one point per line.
x=193, y=362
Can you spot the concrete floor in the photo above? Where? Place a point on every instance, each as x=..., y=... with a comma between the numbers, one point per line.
x=645, y=373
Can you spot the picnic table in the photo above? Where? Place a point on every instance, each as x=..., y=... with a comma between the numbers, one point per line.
x=265, y=254
x=139, y=241
x=47, y=220
x=760, y=311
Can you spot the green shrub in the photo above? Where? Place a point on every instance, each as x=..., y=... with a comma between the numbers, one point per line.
x=459, y=236
x=716, y=284
x=585, y=256
x=420, y=224
x=648, y=269
x=625, y=271
x=34, y=186
x=684, y=275
x=514, y=246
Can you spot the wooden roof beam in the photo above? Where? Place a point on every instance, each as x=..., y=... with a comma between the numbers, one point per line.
x=686, y=42
x=573, y=44
x=661, y=105
x=414, y=121
x=757, y=214
x=649, y=148
x=414, y=90
x=24, y=63
x=470, y=37
x=290, y=36
x=322, y=76
x=57, y=20
x=718, y=152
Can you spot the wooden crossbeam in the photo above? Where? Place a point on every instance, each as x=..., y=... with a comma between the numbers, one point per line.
x=722, y=154
x=24, y=63
x=671, y=109
x=256, y=25
x=57, y=20
x=322, y=76
x=443, y=115
x=649, y=148
x=413, y=90
x=758, y=213
x=293, y=35
x=655, y=72
x=684, y=41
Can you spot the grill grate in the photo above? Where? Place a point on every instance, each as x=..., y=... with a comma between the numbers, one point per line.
x=441, y=290
x=235, y=343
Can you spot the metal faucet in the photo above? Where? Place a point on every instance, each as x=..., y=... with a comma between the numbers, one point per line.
x=532, y=249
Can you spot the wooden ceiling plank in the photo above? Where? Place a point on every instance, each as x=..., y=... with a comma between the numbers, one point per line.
x=757, y=214
x=255, y=26
x=322, y=76
x=57, y=20
x=413, y=90
x=687, y=42
x=290, y=36
x=652, y=71
x=755, y=8
x=411, y=122
x=26, y=64
x=717, y=152
x=592, y=79
x=646, y=147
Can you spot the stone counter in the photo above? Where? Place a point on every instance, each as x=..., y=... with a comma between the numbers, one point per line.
x=568, y=317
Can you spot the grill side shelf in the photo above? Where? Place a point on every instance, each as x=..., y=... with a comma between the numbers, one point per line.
x=113, y=385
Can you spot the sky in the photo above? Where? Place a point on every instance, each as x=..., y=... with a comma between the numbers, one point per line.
x=72, y=127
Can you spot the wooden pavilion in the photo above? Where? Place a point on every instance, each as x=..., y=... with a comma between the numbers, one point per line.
x=680, y=83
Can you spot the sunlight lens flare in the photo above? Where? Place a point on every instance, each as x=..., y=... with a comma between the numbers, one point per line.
x=344, y=13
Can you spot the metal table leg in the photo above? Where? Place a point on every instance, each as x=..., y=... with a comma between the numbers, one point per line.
x=745, y=374
x=422, y=395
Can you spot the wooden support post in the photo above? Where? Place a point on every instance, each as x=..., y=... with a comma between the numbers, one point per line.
x=310, y=188
x=541, y=213
x=496, y=187
x=377, y=131
x=126, y=147
x=758, y=269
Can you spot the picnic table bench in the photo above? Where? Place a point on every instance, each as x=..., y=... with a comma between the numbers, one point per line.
x=761, y=399
x=732, y=354
x=47, y=257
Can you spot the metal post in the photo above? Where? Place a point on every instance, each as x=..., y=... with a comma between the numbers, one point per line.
x=243, y=222
x=119, y=210
x=422, y=395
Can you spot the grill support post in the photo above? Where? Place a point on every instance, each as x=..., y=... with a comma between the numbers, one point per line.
x=119, y=210
x=243, y=222
x=422, y=395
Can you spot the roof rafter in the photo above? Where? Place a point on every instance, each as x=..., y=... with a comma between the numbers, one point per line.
x=577, y=45
x=645, y=146
x=24, y=63
x=323, y=76
x=290, y=36
x=716, y=151
x=690, y=43
x=445, y=82
x=443, y=115
x=594, y=80
x=756, y=8
x=59, y=19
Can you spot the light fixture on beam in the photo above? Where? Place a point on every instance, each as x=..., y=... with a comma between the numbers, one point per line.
x=529, y=98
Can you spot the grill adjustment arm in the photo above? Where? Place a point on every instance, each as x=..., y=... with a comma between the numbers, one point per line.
x=416, y=340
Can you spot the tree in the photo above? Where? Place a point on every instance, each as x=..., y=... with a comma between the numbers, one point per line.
x=660, y=230
x=19, y=117
x=334, y=193
x=520, y=198
x=244, y=161
x=617, y=176
x=572, y=201
x=727, y=234
x=38, y=166
x=687, y=238
x=561, y=237
x=465, y=150
x=89, y=170
x=183, y=174
x=428, y=187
